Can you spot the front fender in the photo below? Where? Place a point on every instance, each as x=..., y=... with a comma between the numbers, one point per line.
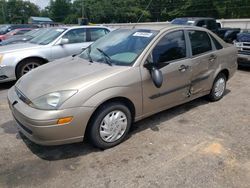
x=131, y=93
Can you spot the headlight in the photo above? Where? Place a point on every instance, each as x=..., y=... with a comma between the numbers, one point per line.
x=238, y=44
x=52, y=101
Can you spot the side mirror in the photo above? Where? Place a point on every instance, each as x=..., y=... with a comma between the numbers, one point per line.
x=157, y=77
x=64, y=41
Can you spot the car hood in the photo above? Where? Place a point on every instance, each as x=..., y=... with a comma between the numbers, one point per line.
x=16, y=47
x=64, y=74
x=243, y=37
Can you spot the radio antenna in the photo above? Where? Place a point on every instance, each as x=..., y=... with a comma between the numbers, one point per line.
x=142, y=14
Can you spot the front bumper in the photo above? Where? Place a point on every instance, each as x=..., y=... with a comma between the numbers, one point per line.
x=41, y=127
x=7, y=73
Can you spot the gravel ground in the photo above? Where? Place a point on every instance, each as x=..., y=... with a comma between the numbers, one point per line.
x=198, y=144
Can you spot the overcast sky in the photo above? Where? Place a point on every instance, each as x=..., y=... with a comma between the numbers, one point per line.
x=41, y=3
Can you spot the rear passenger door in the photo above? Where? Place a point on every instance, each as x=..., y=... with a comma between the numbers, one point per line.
x=203, y=61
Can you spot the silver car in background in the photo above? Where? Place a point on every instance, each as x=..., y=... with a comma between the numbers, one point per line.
x=18, y=59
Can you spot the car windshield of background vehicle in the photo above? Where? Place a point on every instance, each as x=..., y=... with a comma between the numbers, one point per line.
x=122, y=46
x=47, y=37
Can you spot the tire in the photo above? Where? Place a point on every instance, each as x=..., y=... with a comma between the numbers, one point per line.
x=27, y=65
x=219, y=87
x=101, y=126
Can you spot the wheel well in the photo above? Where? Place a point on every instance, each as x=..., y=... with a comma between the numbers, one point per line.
x=42, y=60
x=225, y=72
x=128, y=103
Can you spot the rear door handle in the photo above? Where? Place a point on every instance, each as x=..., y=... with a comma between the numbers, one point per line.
x=212, y=58
x=183, y=68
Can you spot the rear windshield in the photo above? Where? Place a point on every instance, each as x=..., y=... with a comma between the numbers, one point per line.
x=182, y=21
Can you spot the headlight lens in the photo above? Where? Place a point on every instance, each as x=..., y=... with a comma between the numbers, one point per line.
x=52, y=101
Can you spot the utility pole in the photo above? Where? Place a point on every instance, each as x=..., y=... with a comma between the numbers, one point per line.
x=82, y=9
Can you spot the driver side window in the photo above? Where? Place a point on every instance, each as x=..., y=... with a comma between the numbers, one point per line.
x=171, y=47
x=76, y=35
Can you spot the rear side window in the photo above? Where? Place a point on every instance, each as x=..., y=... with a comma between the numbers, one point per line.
x=96, y=33
x=171, y=47
x=218, y=46
x=200, y=42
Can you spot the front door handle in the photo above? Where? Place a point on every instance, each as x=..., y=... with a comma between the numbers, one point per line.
x=183, y=68
x=212, y=58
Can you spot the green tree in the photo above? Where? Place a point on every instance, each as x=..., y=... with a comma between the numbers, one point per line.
x=59, y=9
x=18, y=11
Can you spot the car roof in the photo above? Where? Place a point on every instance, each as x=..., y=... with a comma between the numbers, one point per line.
x=83, y=26
x=195, y=18
x=162, y=28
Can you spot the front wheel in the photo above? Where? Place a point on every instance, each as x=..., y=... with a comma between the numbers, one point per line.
x=110, y=125
x=219, y=87
x=26, y=66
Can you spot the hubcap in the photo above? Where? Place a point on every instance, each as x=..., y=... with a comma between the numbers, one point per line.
x=29, y=66
x=219, y=87
x=113, y=126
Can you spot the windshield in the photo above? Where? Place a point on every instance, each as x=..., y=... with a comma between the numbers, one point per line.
x=47, y=36
x=120, y=47
x=182, y=21
x=38, y=32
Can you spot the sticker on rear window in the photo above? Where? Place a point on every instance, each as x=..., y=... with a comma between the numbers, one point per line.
x=142, y=34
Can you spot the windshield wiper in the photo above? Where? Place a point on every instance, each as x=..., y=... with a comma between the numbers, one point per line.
x=106, y=57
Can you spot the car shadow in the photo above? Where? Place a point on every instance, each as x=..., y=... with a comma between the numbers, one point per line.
x=242, y=68
x=6, y=85
x=53, y=153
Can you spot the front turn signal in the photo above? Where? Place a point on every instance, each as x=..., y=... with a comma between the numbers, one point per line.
x=64, y=120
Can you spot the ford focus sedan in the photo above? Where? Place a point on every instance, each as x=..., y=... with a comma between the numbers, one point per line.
x=123, y=77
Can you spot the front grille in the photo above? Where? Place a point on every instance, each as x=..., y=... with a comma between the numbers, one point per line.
x=246, y=44
x=244, y=52
x=246, y=49
x=21, y=96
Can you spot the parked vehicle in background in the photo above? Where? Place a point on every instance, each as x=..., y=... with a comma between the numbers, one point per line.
x=15, y=32
x=24, y=38
x=231, y=35
x=243, y=45
x=9, y=27
x=208, y=23
x=227, y=34
x=124, y=77
x=18, y=59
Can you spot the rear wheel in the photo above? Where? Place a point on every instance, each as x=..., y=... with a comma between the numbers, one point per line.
x=218, y=88
x=110, y=125
x=26, y=66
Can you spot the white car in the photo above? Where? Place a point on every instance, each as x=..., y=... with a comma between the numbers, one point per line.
x=18, y=59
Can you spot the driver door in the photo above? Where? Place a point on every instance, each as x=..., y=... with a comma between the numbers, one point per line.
x=170, y=50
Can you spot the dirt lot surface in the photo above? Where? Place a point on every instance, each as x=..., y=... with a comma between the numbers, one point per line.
x=198, y=144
